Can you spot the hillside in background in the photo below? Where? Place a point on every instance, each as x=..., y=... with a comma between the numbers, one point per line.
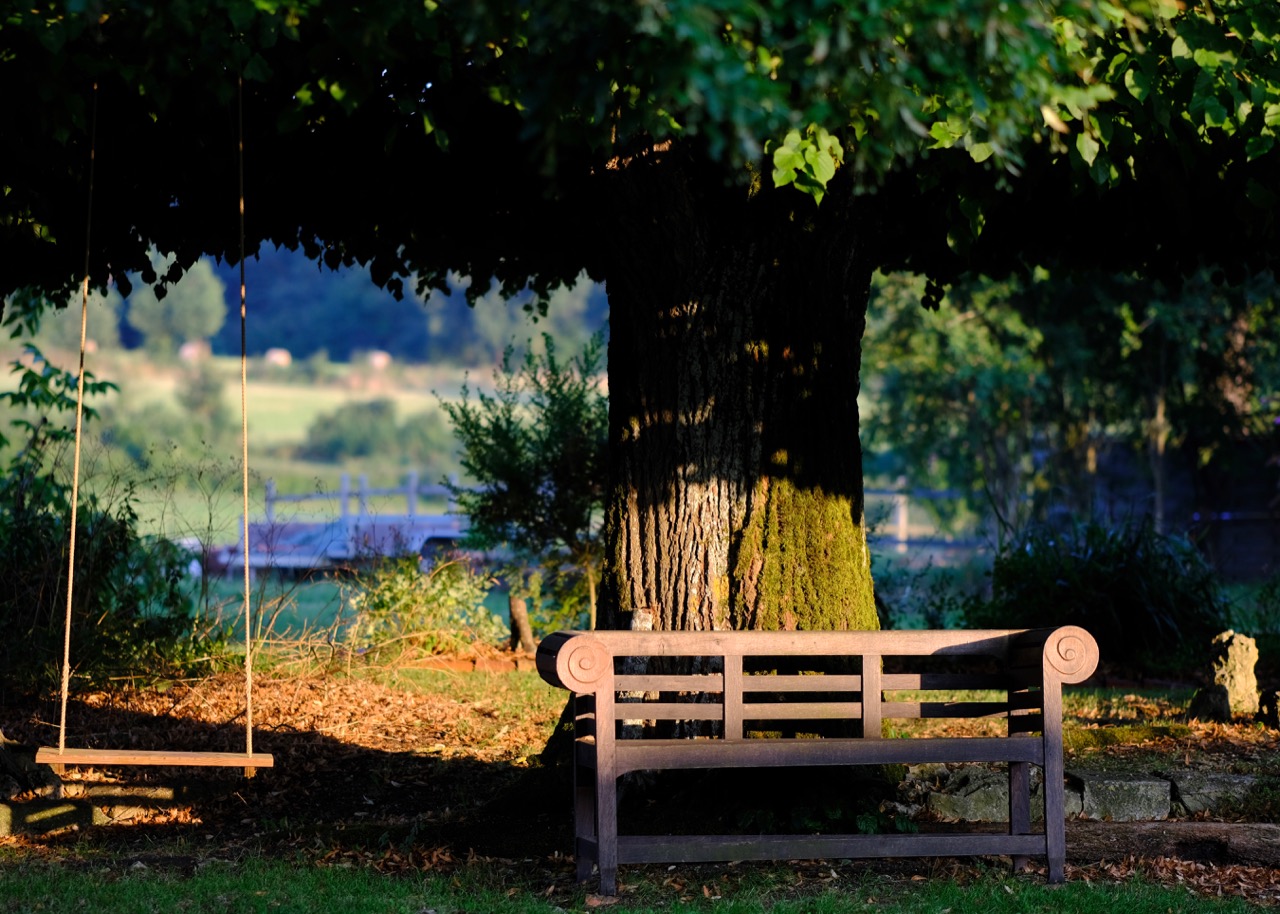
x=298, y=305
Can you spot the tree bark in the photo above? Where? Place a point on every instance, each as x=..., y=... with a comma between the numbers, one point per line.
x=521, y=631
x=735, y=497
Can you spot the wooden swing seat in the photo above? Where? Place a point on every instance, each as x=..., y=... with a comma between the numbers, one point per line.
x=52, y=756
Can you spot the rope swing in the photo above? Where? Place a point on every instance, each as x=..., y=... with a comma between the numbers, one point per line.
x=62, y=755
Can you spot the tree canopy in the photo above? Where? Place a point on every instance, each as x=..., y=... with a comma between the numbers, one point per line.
x=733, y=173
x=998, y=134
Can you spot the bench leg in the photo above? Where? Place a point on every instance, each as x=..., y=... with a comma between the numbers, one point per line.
x=1019, y=805
x=607, y=831
x=1055, y=815
x=584, y=821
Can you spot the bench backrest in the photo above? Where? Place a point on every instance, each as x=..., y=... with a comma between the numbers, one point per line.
x=751, y=683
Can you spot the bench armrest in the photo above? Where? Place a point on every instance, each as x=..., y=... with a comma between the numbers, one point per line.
x=1064, y=655
x=575, y=661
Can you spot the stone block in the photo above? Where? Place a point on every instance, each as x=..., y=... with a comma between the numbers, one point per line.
x=1124, y=798
x=1234, y=659
x=976, y=794
x=973, y=795
x=1208, y=791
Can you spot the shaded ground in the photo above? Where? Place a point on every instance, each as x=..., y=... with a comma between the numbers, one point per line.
x=401, y=780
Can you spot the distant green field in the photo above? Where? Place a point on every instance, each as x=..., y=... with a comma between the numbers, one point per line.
x=198, y=496
x=281, y=413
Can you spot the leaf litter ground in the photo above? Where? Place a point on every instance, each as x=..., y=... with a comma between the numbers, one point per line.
x=444, y=773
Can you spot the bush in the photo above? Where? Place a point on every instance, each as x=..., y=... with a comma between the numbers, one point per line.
x=129, y=613
x=1149, y=599
x=398, y=608
x=935, y=596
x=1256, y=609
x=353, y=430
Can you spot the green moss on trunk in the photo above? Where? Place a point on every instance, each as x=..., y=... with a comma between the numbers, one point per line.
x=803, y=563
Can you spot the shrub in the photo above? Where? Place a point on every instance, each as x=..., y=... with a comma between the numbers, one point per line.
x=398, y=607
x=1257, y=609
x=538, y=448
x=934, y=596
x=1149, y=599
x=353, y=430
x=129, y=614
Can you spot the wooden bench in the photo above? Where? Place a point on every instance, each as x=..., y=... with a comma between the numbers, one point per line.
x=749, y=684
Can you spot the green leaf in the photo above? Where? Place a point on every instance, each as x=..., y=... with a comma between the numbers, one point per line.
x=1206, y=59
x=1259, y=145
x=980, y=152
x=1138, y=82
x=1088, y=147
x=1260, y=195
x=241, y=16
x=257, y=69
x=1215, y=114
x=824, y=166
x=787, y=160
x=942, y=135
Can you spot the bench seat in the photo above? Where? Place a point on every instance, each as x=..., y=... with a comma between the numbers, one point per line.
x=671, y=754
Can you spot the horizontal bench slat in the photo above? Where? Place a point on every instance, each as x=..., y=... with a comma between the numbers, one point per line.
x=806, y=710
x=775, y=682
x=644, y=682
x=712, y=848
x=661, y=754
x=698, y=710
x=992, y=643
x=802, y=710
x=668, y=710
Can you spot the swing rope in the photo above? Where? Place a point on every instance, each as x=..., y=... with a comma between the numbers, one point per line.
x=244, y=435
x=62, y=755
x=75, y=463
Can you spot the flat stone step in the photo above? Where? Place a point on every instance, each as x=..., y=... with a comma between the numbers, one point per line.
x=1124, y=798
x=975, y=793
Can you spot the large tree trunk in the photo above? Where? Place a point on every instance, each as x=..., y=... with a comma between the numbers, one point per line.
x=736, y=479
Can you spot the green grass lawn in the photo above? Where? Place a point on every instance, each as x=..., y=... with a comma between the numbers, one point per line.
x=511, y=887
